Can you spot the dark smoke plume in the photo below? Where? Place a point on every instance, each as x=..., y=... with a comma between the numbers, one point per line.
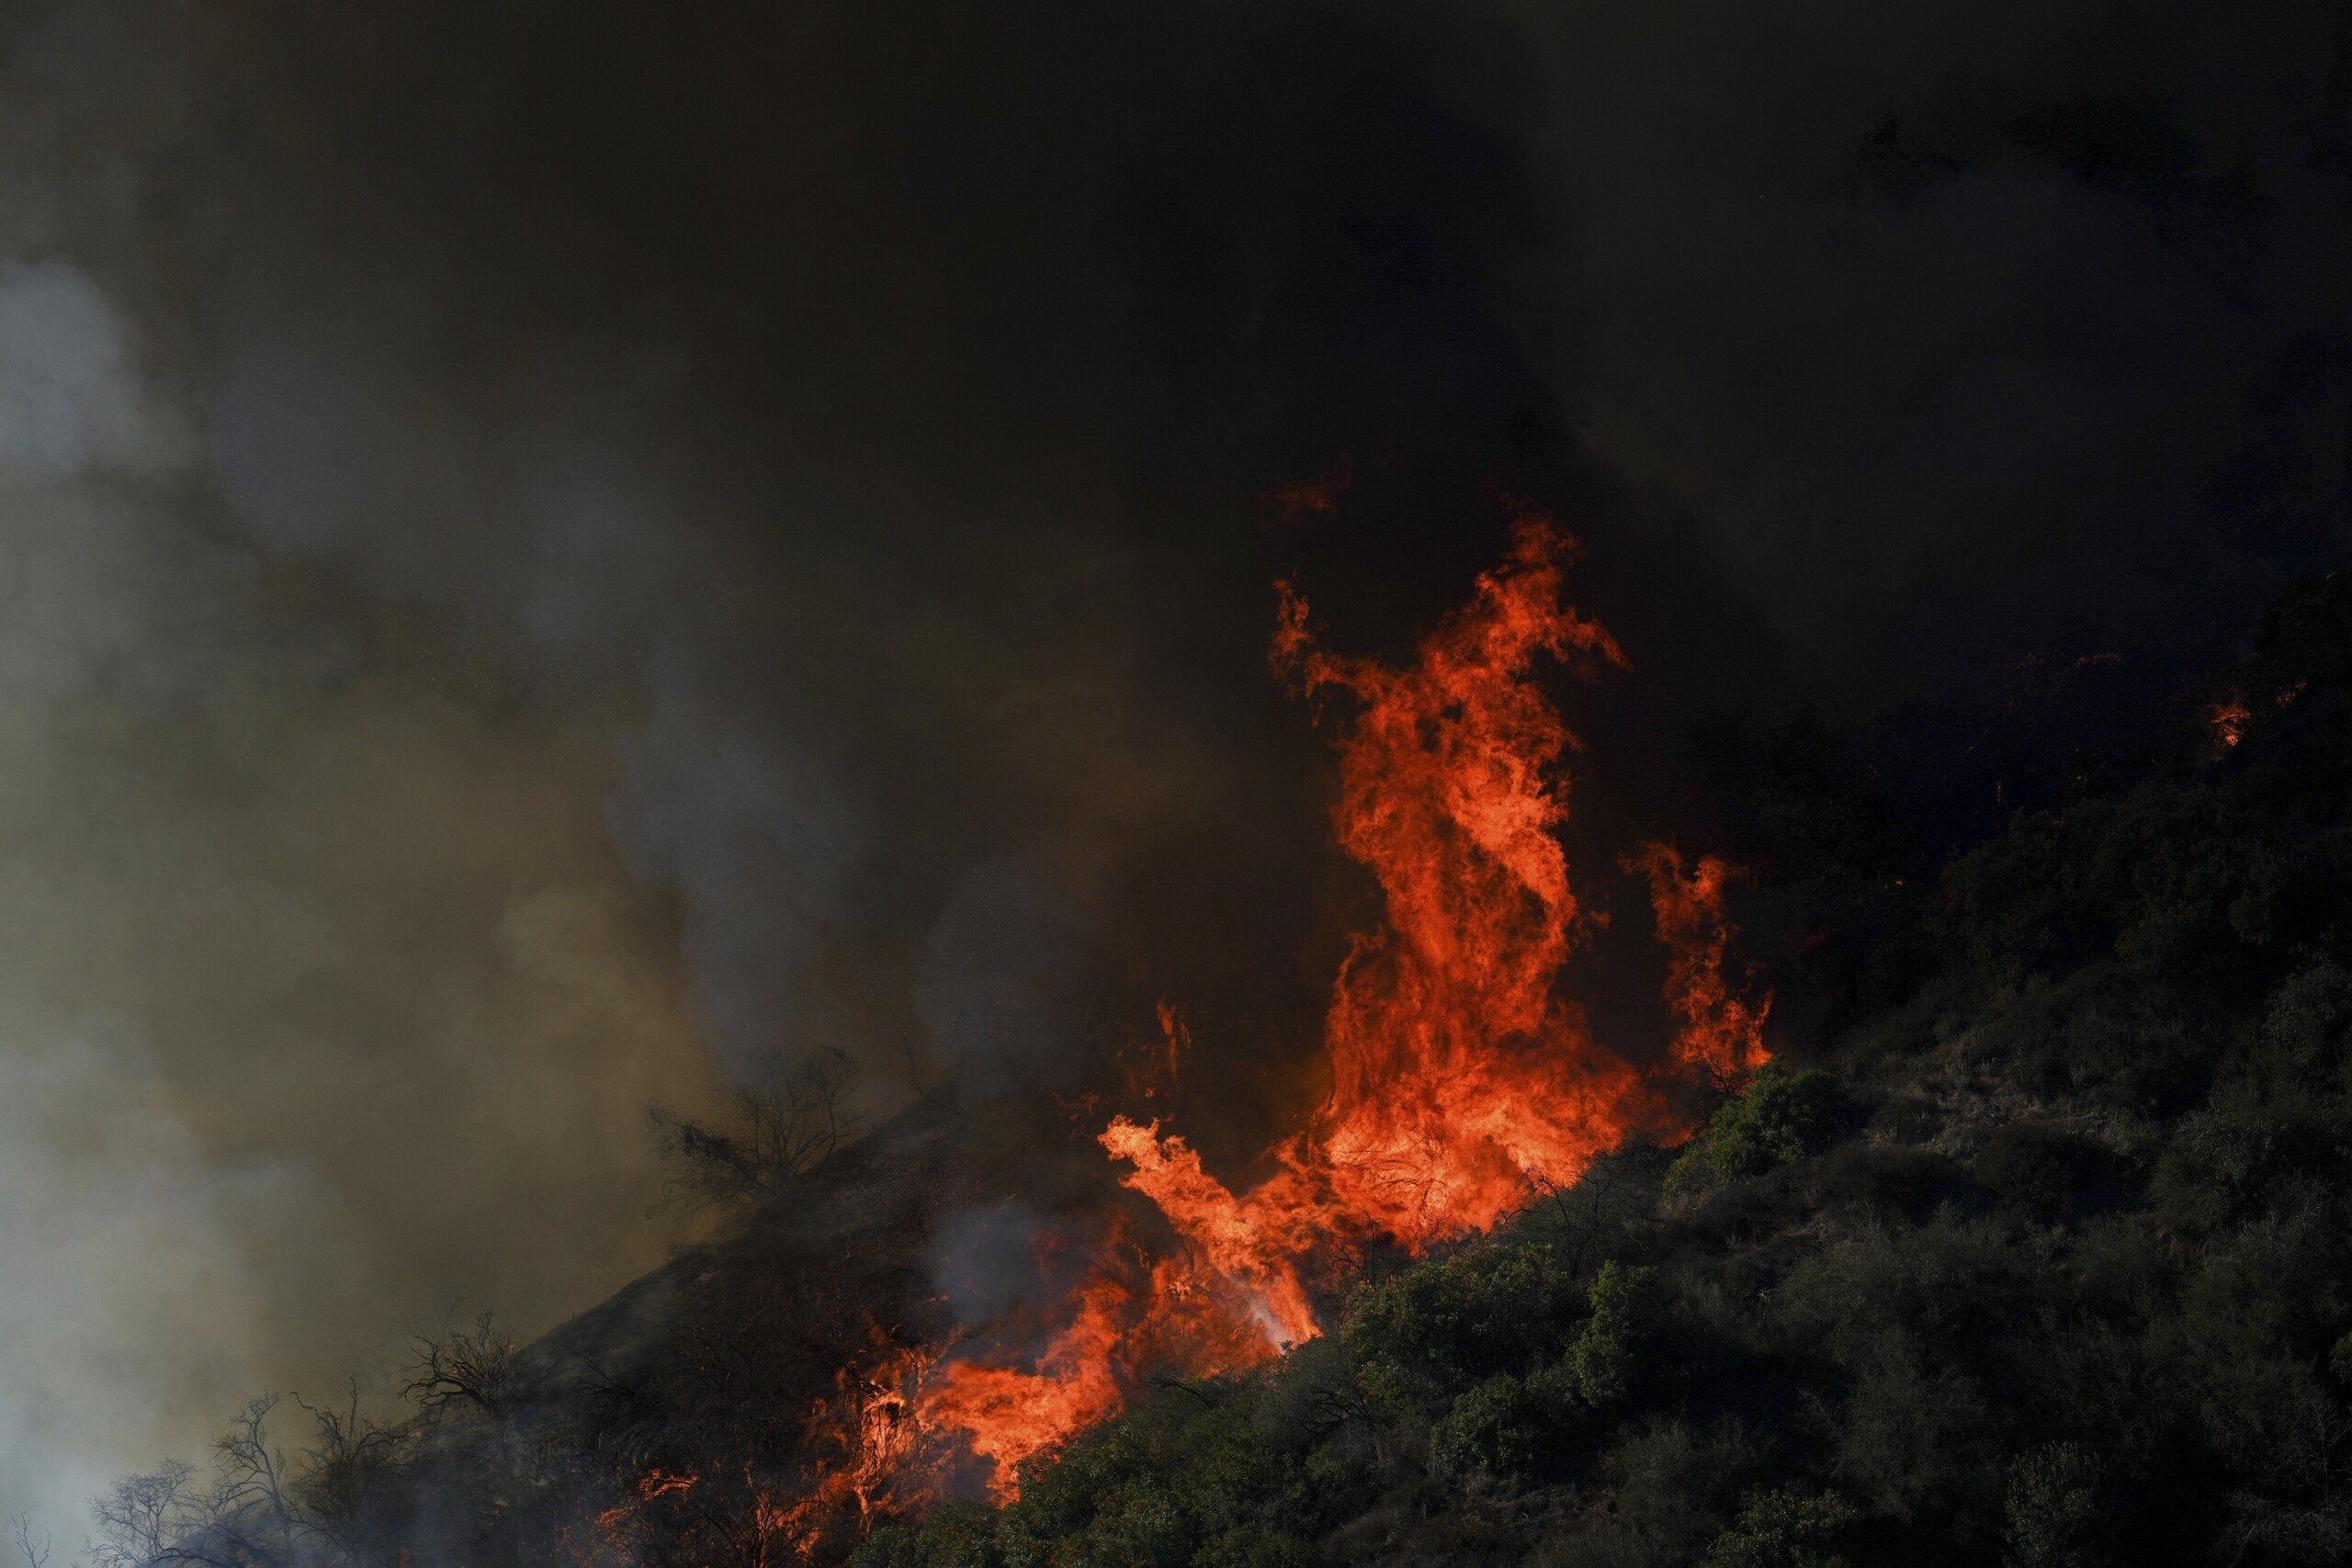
x=558, y=553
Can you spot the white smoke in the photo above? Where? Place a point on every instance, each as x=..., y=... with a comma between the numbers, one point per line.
x=133, y=1312
x=324, y=1000
x=72, y=399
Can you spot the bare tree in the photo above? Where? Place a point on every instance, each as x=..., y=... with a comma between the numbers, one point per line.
x=244, y=1518
x=344, y=1471
x=163, y=1516
x=1586, y=1209
x=785, y=1123
x=258, y=1510
x=249, y=1499
x=35, y=1556
x=475, y=1369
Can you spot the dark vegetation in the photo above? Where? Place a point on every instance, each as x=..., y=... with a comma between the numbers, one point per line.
x=2042, y=1258
x=669, y=1426
x=788, y=1118
x=2036, y=1249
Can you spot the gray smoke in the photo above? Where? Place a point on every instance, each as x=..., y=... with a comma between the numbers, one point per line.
x=324, y=995
x=551, y=553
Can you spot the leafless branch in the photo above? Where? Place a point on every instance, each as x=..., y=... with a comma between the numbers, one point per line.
x=160, y=1519
x=35, y=1556
x=475, y=1369
x=343, y=1469
x=785, y=1123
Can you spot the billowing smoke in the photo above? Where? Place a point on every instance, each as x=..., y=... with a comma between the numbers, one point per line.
x=318, y=969
x=556, y=553
x=321, y=971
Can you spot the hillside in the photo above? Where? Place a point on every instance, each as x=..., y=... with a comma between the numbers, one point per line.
x=2048, y=1262
x=2032, y=1247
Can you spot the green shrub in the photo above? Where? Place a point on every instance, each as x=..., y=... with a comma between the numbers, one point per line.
x=2040, y=898
x=1438, y=1330
x=2205, y=884
x=2037, y=1169
x=2052, y=1507
x=1253, y=1546
x=1693, y=1169
x=2243, y=1156
x=1783, y=1116
x=2308, y=1027
x=1911, y=1435
x=1783, y=1528
x=1951, y=1285
x=958, y=1535
x=1602, y=1360
x=1310, y=1393
x=1666, y=1484
x=2107, y=1030
x=1152, y=1490
x=1908, y=1119
x=2277, y=1287
x=1495, y=1428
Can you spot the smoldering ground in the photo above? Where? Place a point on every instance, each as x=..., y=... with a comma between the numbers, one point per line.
x=556, y=551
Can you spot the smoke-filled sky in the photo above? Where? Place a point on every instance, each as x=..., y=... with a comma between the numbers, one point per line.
x=550, y=551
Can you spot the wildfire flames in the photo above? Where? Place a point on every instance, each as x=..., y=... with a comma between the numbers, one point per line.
x=1461, y=1080
x=2228, y=720
x=1721, y=1034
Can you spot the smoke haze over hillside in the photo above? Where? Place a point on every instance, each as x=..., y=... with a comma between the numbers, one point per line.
x=552, y=552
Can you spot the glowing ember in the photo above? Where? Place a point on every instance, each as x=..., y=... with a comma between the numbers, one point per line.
x=2228, y=721
x=1318, y=497
x=863, y=1438
x=651, y=1485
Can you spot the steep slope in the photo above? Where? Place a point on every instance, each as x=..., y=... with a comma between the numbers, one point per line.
x=2034, y=1248
x=2047, y=1263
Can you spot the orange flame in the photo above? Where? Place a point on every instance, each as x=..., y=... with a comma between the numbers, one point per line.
x=864, y=1437
x=1722, y=1032
x=2228, y=720
x=1457, y=1070
x=1461, y=1078
x=1125, y=1315
x=871, y=1424
x=1010, y=1415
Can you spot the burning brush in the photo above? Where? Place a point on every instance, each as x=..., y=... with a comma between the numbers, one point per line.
x=1461, y=1082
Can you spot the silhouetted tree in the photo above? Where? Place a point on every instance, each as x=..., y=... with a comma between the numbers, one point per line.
x=475, y=1369
x=786, y=1121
